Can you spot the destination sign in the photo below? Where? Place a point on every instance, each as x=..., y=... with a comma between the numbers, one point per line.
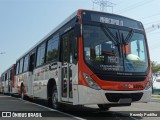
x=111, y=19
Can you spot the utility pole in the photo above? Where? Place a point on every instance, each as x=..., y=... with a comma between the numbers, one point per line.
x=103, y=4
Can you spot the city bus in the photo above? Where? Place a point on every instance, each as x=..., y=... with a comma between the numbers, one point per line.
x=90, y=58
x=7, y=81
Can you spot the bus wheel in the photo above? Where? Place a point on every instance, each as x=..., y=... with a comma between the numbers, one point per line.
x=54, y=98
x=103, y=107
x=22, y=92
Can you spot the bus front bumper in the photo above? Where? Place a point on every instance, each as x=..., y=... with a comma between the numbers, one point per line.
x=88, y=96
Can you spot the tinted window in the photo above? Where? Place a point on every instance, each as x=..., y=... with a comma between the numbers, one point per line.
x=17, y=68
x=40, y=55
x=52, y=49
x=6, y=77
x=25, y=63
x=100, y=50
x=9, y=74
x=136, y=59
x=65, y=49
x=21, y=66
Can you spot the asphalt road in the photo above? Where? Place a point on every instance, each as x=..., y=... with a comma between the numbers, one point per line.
x=92, y=112
x=16, y=105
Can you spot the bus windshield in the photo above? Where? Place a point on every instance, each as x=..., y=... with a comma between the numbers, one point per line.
x=108, y=49
x=135, y=53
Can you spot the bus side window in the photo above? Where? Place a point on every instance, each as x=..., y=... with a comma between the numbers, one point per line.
x=17, y=68
x=25, y=68
x=5, y=76
x=64, y=49
x=32, y=62
x=40, y=59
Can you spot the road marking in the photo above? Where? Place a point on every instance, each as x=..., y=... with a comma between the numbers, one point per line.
x=53, y=110
x=5, y=96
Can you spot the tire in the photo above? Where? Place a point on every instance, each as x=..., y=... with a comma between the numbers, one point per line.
x=103, y=107
x=54, y=99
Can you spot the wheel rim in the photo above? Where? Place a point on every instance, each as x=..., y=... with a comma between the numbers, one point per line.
x=55, y=99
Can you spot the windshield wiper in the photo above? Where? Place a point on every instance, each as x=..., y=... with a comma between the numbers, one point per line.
x=109, y=34
x=113, y=38
x=128, y=38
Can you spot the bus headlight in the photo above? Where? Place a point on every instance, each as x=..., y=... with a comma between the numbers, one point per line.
x=149, y=84
x=91, y=82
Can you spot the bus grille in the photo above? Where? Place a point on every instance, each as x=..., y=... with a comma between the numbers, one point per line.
x=121, y=78
x=115, y=97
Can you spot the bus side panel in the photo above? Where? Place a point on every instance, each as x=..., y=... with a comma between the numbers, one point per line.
x=6, y=86
x=28, y=82
x=0, y=85
x=75, y=84
x=42, y=75
x=21, y=79
x=25, y=79
x=13, y=80
x=15, y=90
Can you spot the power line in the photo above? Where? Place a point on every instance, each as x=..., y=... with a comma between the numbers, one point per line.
x=151, y=22
x=150, y=16
x=121, y=2
x=103, y=4
x=134, y=6
x=153, y=28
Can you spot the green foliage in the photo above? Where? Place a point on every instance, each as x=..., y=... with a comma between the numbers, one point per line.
x=51, y=55
x=155, y=67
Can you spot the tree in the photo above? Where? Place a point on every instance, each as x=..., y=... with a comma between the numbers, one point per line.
x=155, y=67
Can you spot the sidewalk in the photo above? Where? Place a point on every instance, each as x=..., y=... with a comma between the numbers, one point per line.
x=156, y=96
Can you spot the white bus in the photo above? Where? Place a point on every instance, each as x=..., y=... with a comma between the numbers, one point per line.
x=90, y=58
x=7, y=81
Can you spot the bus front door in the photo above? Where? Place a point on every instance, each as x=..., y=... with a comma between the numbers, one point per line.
x=66, y=67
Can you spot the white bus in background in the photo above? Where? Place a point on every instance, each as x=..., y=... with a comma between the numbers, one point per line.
x=7, y=81
x=1, y=88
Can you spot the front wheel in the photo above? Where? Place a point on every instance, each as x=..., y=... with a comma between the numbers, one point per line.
x=54, y=99
x=103, y=107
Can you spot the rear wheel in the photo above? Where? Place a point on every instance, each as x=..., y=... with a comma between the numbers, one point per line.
x=103, y=107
